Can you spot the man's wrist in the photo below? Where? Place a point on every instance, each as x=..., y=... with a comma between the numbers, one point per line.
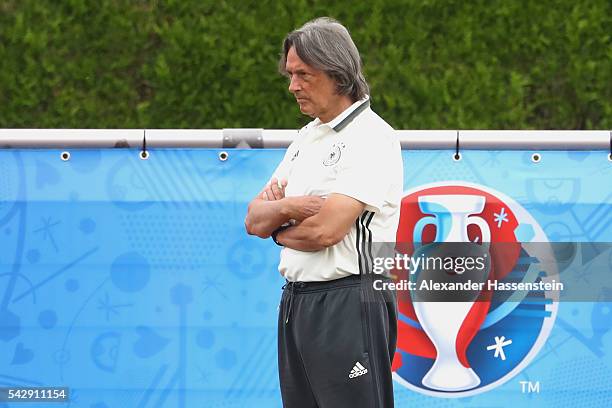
x=277, y=231
x=285, y=208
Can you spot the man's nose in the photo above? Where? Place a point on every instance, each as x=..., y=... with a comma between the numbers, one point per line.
x=294, y=84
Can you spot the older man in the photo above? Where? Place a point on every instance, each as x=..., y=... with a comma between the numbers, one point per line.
x=336, y=191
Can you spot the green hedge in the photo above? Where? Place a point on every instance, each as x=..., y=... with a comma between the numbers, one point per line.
x=212, y=64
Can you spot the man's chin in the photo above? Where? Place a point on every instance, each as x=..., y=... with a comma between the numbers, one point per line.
x=306, y=111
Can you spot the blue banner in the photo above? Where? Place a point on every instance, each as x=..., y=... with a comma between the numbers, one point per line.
x=133, y=283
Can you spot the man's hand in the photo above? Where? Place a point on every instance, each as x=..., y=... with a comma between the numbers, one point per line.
x=302, y=207
x=273, y=192
x=295, y=208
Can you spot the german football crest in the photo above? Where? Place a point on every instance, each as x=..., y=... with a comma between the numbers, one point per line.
x=334, y=154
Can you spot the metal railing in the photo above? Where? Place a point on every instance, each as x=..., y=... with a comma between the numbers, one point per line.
x=275, y=138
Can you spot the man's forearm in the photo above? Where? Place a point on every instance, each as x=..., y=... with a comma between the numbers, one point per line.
x=309, y=236
x=266, y=216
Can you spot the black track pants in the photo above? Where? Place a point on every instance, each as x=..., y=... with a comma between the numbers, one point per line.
x=336, y=341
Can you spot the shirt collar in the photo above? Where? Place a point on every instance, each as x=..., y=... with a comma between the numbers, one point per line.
x=347, y=116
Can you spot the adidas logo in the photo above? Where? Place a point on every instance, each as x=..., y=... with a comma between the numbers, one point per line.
x=358, y=370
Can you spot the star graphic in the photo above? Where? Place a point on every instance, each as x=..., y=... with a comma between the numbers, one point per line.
x=552, y=344
x=213, y=283
x=583, y=275
x=203, y=375
x=501, y=217
x=46, y=227
x=500, y=343
x=110, y=309
x=492, y=160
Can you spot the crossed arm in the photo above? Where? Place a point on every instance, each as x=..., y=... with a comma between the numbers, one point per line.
x=319, y=223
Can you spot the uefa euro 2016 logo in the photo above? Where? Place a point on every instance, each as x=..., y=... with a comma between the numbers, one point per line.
x=464, y=348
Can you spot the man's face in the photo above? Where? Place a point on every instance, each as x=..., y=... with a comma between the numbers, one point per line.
x=313, y=89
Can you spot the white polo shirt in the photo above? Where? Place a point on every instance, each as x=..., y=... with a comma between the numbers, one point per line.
x=356, y=154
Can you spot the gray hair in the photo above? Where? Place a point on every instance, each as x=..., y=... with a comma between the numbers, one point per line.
x=326, y=45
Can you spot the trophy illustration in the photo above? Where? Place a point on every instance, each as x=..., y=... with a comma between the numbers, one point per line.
x=451, y=216
x=442, y=314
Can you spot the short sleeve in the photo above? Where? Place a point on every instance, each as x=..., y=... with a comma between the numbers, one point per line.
x=283, y=169
x=362, y=173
